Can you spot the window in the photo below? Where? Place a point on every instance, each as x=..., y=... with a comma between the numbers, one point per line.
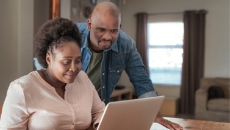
x=165, y=51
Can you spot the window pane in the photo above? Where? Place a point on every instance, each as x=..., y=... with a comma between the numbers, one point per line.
x=165, y=52
x=165, y=57
x=168, y=33
x=165, y=65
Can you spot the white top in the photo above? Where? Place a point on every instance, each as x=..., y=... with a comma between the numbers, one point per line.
x=31, y=103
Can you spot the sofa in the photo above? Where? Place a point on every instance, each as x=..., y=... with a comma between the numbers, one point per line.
x=213, y=108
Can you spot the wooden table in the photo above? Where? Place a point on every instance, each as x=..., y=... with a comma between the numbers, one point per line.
x=189, y=124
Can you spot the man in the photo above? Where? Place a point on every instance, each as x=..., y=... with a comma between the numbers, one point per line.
x=107, y=51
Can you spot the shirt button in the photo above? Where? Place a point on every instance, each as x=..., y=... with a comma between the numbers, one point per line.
x=103, y=99
x=118, y=71
x=103, y=87
x=103, y=74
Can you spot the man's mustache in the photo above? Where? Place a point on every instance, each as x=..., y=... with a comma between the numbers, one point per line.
x=105, y=41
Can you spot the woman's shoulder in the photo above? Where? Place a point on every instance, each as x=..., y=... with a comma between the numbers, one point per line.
x=83, y=79
x=25, y=80
x=82, y=75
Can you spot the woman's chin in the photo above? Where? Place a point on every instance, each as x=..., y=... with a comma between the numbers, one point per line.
x=69, y=81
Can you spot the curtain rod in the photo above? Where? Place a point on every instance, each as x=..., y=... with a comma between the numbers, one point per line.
x=165, y=13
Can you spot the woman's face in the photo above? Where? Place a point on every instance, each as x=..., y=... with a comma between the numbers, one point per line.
x=65, y=63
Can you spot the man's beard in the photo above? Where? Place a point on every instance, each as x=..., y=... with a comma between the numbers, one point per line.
x=103, y=47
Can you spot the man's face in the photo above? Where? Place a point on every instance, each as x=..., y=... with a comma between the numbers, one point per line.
x=103, y=31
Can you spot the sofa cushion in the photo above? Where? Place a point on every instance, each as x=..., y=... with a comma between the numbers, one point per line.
x=224, y=83
x=215, y=92
x=219, y=104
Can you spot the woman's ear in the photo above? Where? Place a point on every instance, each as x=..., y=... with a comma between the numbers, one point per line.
x=48, y=58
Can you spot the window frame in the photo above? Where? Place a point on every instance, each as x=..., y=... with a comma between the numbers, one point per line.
x=162, y=19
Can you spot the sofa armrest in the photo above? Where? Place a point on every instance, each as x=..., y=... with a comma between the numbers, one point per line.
x=201, y=99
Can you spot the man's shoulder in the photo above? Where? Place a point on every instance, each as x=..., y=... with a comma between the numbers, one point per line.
x=82, y=27
x=125, y=38
x=125, y=42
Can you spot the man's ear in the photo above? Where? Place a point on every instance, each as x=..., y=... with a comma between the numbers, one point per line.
x=89, y=24
x=48, y=58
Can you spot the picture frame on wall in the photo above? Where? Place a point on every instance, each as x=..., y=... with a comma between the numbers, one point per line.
x=98, y=1
x=93, y=2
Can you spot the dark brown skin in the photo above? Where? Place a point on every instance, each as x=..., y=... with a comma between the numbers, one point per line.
x=63, y=66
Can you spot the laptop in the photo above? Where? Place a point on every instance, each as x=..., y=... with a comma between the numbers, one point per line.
x=136, y=114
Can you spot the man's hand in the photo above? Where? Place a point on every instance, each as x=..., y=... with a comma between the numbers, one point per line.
x=170, y=125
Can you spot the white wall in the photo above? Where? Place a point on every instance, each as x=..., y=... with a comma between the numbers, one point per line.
x=41, y=13
x=217, y=57
x=65, y=11
x=9, y=44
x=19, y=20
x=25, y=35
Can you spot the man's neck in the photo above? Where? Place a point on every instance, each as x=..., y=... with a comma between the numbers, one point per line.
x=94, y=48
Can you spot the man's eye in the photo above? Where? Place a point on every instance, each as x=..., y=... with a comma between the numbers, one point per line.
x=101, y=29
x=114, y=30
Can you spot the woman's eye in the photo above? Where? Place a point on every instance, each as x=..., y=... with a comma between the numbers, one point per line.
x=78, y=61
x=66, y=62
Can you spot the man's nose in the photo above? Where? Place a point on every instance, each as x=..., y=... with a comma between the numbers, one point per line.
x=107, y=35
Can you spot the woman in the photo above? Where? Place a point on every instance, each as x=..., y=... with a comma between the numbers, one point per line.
x=58, y=97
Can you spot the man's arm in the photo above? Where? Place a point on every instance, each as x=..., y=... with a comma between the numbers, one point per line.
x=143, y=85
x=137, y=74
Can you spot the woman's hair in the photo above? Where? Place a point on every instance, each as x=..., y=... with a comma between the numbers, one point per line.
x=51, y=35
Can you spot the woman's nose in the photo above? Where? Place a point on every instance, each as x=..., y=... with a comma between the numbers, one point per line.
x=73, y=67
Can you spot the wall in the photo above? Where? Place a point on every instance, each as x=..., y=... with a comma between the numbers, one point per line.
x=16, y=32
x=217, y=60
x=65, y=11
x=25, y=36
x=41, y=13
x=78, y=7
x=9, y=44
x=20, y=20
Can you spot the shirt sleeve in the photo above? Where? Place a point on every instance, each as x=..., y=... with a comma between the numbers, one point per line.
x=137, y=74
x=14, y=113
x=97, y=107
